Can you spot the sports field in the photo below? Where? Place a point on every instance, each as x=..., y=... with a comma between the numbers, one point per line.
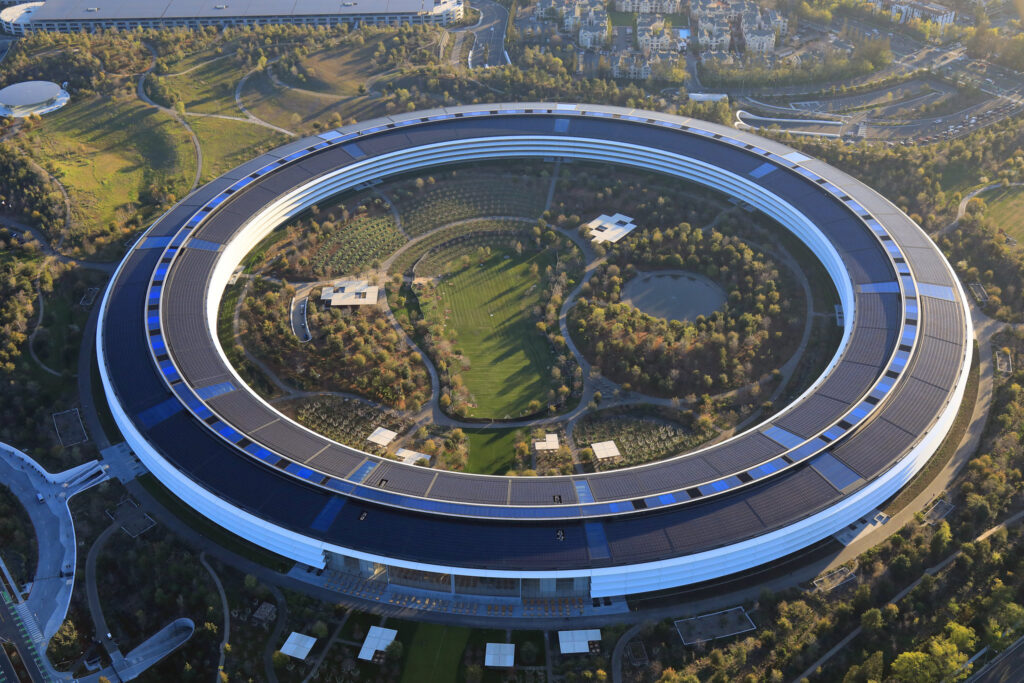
x=1005, y=205
x=491, y=451
x=435, y=653
x=488, y=306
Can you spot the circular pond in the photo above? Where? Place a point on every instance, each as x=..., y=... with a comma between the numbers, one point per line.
x=673, y=294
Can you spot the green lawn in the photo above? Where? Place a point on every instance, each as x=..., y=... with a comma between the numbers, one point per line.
x=1005, y=208
x=210, y=88
x=339, y=70
x=297, y=110
x=489, y=306
x=106, y=153
x=435, y=653
x=490, y=450
x=227, y=144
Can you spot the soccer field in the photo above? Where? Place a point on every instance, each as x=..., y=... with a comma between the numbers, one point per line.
x=489, y=308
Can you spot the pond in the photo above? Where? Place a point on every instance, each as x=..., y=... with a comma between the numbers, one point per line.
x=673, y=294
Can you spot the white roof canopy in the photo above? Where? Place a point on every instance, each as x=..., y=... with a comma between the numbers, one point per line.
x=377, y=640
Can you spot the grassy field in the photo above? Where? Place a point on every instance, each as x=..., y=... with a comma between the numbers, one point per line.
x=338, y=71
x=435, y=653
x=297, y=110
x=210, y=89
x=1005, y=206
x=106, y=152
x=489, y=308
x=227, y=144
x=490, y=450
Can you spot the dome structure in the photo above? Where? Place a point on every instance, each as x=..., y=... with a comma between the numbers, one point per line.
x=32, y=97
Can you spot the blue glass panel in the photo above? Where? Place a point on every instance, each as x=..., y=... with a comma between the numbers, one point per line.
x=304, y=472
x=713, y=487
x=597, y=541
x=881, y=288
x=329, y=135
x=364, y=470
x=227, y=431
x=354, y=150
x=204, y=245
x=150, y=417
x=809, y=448
x=834, y=471
x=909, y=333
x=155, y=242
x=340, y=485
x=833, y=433
x=206, y=393
x=328, y=513
x=764, y=469
x=763, y=170
x=583, y=492
x=782, y=437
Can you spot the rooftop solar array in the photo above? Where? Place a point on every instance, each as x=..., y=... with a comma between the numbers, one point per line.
x=906, y=348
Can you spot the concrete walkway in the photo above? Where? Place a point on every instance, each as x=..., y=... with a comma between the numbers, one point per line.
x=50, y=592
x=224, y=609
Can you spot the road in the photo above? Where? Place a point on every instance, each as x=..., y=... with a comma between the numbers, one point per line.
x=12, y=630
x=99, y=622
x=1005, y=668
x=489, y=48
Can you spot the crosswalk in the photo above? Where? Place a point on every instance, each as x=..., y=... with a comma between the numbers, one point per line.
x=30, y=634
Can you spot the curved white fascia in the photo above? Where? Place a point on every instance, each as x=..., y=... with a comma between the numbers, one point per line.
x=608, y=581
x=416, y=158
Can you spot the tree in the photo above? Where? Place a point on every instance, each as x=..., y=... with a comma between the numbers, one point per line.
x=871, y=621
x=941, y=539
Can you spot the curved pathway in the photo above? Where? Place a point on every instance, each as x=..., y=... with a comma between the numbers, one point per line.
x=16, y=226
x=252, y=118
x=92, y=593
x=961, y=209
x=32, y=337
x=275, y=635
x=141, y=91
x=224, y=609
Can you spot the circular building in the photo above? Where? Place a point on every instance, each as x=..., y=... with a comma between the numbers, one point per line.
x=851, y=441
x=32, y=97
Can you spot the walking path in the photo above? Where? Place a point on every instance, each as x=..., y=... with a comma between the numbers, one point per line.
x=32, y=337
x=961, y=209
x=224, y=610
x=252, y=118
x=275, y=635
x=14, y=225
x=141, y=90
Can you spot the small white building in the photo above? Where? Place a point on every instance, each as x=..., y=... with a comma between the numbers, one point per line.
x=501, y=655
x=606, y=228
x=579, y=642
x=381, y=436
x=377, y=640
x=351, y=293
x=298, y=645
x=550, y=443
x=603, y=450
